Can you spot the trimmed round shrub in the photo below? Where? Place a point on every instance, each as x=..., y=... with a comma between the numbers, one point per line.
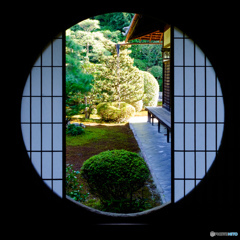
x=137, y=105
x=110, y=111
x=114, y=175
x=156, y=71
x=151, y=90
x=74, y=130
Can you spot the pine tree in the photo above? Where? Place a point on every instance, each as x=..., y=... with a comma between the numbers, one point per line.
x=78, y=82
x=118, y=80
x=90, y=54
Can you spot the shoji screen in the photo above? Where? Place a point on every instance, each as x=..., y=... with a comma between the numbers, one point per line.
x=42, y=115
x=198, y=114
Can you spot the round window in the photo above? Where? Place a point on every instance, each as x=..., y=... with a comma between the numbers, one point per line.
x=73, y=86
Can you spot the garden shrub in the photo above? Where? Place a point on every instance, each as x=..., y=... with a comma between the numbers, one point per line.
x=113, y=176
x=109, y=111
x=74, y=130
x=156, y=71
x=151, y=90
x=73, y=188
x=137, y=105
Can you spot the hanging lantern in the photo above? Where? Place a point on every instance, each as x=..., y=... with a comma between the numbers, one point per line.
x=118, y=49
x=166, y=53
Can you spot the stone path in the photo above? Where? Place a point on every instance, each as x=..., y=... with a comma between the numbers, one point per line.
x=156, y=151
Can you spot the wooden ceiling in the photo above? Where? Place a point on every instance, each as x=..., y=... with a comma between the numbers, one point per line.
x=154, y=36
x=145, y=28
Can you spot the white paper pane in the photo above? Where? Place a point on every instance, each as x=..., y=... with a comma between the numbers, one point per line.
x=210, y=158
x=57, y=81
x=25, y=109
x=47, y=56
x=200, y=81
x=199, y=56
x=36, y=109
x=57, y=187
x=36, y=137
x=178, y=81
x=200, y=109
x=178, y=136
x=211, y=137
x=36, y=161
x=211, y=81
x=46, y=109
x=189, y=81
x=197, y=182
x=179, y=165
x=47, y=137
x=48, y=183
x=189, y=109
x=57, y=136
x=46, y=81
x=178, y=33
x=178, y=189
x=200, y=164
x=200, y=136
x=211, y=109
x=57, y=52
x=57, y=109
x=189, y=136
x=208, y=62
x=189, y=52
x=178, y=52
x=26, y=135
x=178, y=109
x=220, y=128
x=57, y=165
x=46, y=165
x=189, y=185
x=219, y=90
x=189, y=165
x=220, y=109
x=36, y=81
x=38, y=62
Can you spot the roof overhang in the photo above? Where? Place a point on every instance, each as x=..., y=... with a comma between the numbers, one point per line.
x=145, y=28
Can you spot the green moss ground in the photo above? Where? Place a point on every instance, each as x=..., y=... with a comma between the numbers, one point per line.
x=102, y=137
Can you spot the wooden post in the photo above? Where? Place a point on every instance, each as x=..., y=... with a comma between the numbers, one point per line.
x=118, y=75
x=149, y=117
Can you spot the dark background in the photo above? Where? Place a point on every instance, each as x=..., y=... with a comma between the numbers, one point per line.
x=31, y=206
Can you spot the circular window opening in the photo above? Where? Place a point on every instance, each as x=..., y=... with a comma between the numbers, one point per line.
x=122, y=101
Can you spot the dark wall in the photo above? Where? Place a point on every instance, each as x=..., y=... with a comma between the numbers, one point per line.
x=30, y=206
x=166, y=86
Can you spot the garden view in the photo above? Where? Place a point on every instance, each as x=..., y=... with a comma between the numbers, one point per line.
x=105, y=169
